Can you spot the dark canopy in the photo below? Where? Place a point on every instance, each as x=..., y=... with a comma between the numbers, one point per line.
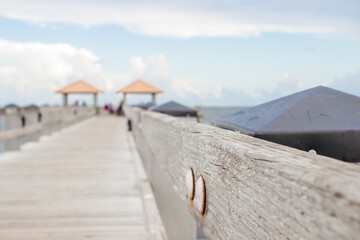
x=11, y=105
x=144, y=105
x=320, y=118
x=174, y=109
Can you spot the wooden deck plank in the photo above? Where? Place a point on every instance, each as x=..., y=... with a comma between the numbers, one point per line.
x=76, y=184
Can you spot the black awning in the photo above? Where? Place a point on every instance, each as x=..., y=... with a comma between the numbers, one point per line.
x=319, y=118
x=144, y=105
x=174, y=109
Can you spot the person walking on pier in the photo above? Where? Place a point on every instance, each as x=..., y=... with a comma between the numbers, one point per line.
x=119, y=110
x=111, y=109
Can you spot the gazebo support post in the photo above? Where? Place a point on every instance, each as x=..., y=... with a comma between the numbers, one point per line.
x=153, y=98
x=65, y=99
x=95, y=99
x=124, y=98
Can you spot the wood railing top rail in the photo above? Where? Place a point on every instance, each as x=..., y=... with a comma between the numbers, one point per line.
x=38, y=118
x=254, y=189
x=18, y=132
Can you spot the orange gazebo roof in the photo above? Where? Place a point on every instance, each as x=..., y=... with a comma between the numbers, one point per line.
x=79, y=87
x=140, y=86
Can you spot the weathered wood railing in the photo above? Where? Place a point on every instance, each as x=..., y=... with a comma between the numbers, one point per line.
x=21, y=125
x=254, y=189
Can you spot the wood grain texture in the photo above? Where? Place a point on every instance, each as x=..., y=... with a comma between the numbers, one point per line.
x=254, y=189
x=76, y=184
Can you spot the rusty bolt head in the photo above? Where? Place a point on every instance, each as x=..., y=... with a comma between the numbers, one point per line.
x=190, y=184
x=200, y=195
x=312, y=151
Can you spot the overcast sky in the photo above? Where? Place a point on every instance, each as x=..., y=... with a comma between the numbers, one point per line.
x=214, y=52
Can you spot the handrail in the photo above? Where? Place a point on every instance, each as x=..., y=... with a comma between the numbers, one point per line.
x=18, y=132
x=249, y=188
x=18, y=122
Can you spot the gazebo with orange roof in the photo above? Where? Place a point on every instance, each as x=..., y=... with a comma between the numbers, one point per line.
x=140, y=87
x=78, y=87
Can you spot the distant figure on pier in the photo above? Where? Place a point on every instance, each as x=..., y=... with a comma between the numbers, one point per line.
x=111, y=109
x=106, y=107
x=119, y=110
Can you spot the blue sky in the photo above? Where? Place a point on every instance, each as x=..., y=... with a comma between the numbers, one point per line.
x=200, y=53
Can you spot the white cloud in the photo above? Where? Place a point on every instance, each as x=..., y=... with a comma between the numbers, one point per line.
x=218, y=92
x=186, y=19
x=184, y=87
x=38, y=69
x=139, y=66
x=37, y=66
x=349, y=83
x=286, y=75
x=155, y=67
x=156, y=70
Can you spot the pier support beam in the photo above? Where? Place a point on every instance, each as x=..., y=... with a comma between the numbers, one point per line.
x=12, y=120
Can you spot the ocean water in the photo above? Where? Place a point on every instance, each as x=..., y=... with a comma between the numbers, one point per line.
x=212, y=113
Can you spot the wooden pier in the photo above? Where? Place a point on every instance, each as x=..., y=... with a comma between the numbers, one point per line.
x=89, y=178
x=85, y=182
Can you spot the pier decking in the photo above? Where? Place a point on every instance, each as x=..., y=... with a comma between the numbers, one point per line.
x=80, y=183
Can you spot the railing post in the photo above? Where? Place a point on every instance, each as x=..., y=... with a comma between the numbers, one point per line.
x=31, y=115
x=21, y=125
x=12, y=120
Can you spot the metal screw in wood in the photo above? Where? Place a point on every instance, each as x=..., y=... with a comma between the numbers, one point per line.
x=200, y=195
x=190, y=184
